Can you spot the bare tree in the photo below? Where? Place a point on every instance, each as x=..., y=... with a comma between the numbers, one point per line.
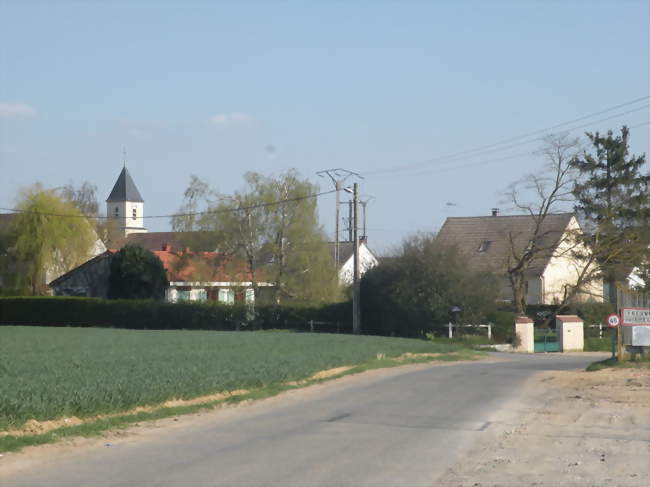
x=540, y=196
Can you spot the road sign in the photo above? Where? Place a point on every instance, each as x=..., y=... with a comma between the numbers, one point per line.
x=635, y=317
x=613, y=321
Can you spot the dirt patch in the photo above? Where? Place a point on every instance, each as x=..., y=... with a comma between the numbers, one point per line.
x=408, y=355
x=34, y=427
x=581, y=429
x=323, y=374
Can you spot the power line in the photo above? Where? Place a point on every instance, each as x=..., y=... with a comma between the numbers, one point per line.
x=494, y=147
x=439, y=170
x=197, y=213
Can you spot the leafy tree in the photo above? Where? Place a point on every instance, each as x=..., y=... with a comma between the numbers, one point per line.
x=51, y=236
x=612, y=196
x=137, y=273
x=414, y=290
x=272, y=224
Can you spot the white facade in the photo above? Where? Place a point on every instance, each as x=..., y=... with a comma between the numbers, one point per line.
x=366, y=262
x=563, y=270
x=127, y=215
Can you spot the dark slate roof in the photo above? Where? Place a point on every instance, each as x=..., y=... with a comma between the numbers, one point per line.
x=125, y=189
x=197, y=241
x=468, y=234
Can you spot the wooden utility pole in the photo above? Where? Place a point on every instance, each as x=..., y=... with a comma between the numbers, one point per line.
x=356, y=294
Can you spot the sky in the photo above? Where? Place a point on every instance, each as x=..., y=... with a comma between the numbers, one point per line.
x=412, y=95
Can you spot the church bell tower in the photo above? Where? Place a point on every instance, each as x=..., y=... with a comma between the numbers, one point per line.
x=125, y=207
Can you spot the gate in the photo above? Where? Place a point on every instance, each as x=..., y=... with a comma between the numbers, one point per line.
x=546, y=340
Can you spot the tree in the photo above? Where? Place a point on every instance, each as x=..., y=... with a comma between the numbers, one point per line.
x=51, y=236
x=414, y=290
x=272, y=224
x=84, y=198
x=551, y=189
x=612, y=196
x=137, y=273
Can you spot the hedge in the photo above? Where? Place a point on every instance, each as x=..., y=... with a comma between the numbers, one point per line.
x=156, y=315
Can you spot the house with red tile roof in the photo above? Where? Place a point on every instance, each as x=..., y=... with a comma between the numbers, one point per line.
x=201, y=276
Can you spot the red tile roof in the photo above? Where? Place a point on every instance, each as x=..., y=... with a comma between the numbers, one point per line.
x=203, y=267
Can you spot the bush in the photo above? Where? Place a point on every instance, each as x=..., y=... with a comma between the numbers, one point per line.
x=137, y=273
x=413, y=292
x=503, y=325
x=155, y=315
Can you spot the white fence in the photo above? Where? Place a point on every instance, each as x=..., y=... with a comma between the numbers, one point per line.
x=451, y=327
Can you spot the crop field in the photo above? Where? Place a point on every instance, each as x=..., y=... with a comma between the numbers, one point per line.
x=48, y=373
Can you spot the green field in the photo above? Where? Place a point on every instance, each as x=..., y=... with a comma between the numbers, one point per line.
x=47, y=373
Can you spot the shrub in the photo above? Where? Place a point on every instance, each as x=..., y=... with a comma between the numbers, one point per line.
x=155, y=315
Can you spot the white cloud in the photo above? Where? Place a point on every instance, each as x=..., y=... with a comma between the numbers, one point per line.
x=234, y=119
x=16, y=110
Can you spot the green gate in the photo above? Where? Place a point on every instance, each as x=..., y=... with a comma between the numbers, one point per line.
x=546, y=340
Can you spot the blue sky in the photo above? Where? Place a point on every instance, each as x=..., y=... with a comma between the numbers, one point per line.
x=206, y=87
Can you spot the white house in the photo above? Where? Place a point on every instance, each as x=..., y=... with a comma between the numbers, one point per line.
x=486, y=242
x=367, y=260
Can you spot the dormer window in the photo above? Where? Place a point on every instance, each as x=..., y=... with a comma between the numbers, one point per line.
x=484, y=246
x=134, y=213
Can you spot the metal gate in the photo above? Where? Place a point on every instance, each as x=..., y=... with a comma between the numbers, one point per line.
x=546, y=340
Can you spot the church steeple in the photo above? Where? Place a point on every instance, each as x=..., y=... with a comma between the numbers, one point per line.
x=125, y=189
x=125, y=207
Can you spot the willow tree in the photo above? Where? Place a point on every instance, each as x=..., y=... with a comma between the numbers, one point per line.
x=51, y=236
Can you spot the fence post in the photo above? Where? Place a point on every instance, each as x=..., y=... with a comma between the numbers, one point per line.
x=489, y=331
x=451, y=332
x=311, y=325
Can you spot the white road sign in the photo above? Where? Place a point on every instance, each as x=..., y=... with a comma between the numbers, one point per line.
x=636, y=316
x=613, y=321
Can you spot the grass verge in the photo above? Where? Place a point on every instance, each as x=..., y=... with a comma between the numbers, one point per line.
x=97, y=427
x=613, y=363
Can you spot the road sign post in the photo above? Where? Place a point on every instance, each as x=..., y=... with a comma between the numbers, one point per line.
x=613, y=321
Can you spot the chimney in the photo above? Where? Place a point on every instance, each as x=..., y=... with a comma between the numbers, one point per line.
x=167, y=247
x=495, y=211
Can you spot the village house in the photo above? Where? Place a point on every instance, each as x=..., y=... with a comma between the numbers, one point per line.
x=487, y=242
x=367, y=259
x=626, y=290
x=203, y=276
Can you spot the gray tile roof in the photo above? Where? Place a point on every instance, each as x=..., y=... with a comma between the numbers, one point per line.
x=125, y=189
x=485, y=240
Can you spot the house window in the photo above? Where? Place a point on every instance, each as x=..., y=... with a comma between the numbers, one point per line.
x=134, y=213
x=183, y=295
x=117, y=211
x=226, y=296
x=485, y=245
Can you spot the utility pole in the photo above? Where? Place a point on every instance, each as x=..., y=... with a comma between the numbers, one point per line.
x=338, y=177
x=356, y=294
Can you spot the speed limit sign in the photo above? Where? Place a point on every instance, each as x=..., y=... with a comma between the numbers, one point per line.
x=613, y=320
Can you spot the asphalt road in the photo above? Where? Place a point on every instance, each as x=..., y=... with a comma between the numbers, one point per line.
x=384, y=429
